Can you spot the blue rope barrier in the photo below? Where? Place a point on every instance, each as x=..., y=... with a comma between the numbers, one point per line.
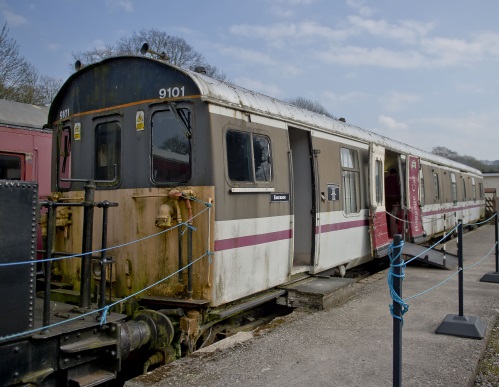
x=483, y=222
x=197, y=200
x=452, y=276
x=432, y=246
x=481, y=260
x=109, y=248
x=433, y=287
x=395, y=297
x=105, y=309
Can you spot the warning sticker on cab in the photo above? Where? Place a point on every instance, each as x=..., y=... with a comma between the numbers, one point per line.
x=139, y=120
x=77, y=131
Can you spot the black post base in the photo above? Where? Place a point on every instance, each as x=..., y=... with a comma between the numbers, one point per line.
x=462, y=326
x=490, y=277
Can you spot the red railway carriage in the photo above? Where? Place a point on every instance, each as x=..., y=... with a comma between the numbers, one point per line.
x=25, y=147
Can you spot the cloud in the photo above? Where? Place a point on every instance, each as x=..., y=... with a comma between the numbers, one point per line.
x=52, y=46
x=293, y=32
x=404, y=44
x=377, y=56
x=125, y=5
x=462, y=133
x=14, y=19
x=287, y=8
x=248, y=55
x=296, y=2
x=360, y=7
x=349, y=97
x=391, y=124
x=470, y=88
x=405, y=31
x=396, y=101
x=446, y=51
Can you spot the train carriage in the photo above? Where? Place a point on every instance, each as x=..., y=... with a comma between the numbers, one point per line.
x=227, y=192
x=292, y=191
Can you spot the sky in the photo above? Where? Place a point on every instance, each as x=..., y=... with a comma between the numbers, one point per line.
x=422, y=72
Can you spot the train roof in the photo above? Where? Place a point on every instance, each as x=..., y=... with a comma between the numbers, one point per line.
x=229, y=95
x=22, y=115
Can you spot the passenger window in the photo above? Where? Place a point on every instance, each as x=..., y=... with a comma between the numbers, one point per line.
x=453, y=187
x=473, y=188
x=436, y=188
x=248, y=157
x=351, y=180
x=261, y=151
x=107, y=151
x=171, y=147
x=464, y=189
x=11, y=166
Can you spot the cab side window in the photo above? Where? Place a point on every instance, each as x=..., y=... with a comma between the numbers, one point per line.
x=107, y=151
x=171, y=147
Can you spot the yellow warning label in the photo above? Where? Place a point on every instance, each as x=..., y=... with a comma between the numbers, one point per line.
x=77, y=131
x=139, y=120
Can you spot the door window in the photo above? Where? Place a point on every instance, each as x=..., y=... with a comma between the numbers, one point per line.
x=351, y=180
x=378, y=180
x=421, y=188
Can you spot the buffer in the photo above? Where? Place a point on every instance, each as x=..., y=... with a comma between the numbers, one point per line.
x=431, y=257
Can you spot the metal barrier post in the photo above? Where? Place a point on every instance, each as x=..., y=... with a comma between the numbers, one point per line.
x=461, y=325
x=497, y=241
x=397, y=312
x=460, y=265
x=51, y=213
x=493, y=276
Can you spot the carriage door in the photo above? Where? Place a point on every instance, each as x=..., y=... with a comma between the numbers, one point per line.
x=416, y=230
x=302, y=197
x=377, y=212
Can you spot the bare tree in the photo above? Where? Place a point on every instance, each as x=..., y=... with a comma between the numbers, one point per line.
x=94, y=55
x=445, y=152
x=178, y=51
x=48, y=87
x=17, y=76
x=19, y=80
x=467, y=160
x=308, y=104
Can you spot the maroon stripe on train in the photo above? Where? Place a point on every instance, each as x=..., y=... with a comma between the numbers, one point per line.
x=251, y=240
x=341, y=226
x=443, y=211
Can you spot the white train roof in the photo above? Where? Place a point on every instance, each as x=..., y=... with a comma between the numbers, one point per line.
x=239, y=98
